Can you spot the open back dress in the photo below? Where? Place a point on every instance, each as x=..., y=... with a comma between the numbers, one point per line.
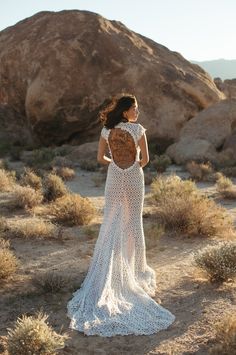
x=115, y=298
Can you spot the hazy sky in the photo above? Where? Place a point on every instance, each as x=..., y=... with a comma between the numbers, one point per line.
x=198, y=29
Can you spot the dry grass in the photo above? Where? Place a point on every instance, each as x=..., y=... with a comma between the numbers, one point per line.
x=7, y=180
x=218, y=261
x=64, y=172
x=73, y=209
x=51, y=282
x=30, y=178
x=8, y=261
x=33, y=335
x=225, y=336
x=26, y=197
x=33, y=228
x=182, y=208
x=201, y=171
x=225, y=187
x=54, y=187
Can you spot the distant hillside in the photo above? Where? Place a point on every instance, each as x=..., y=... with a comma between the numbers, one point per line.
x=222, y=68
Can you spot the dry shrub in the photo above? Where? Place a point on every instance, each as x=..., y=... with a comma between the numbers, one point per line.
x=64, y=172
x=218, y=261
x=8, y=261
x=225, y=187
x=54, y=187
x=160, y=162
x=73, y=209
x=51, y=282
x=166, y=187
x=182, y=208
x=30, y=178
x=26, y=197
x=33, y=228
x=225, y=336
x=33, y=335
x=7, y=180
x=200, y=171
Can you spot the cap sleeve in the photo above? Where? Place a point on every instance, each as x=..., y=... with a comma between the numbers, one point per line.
x=141, y=130
x=104, y=133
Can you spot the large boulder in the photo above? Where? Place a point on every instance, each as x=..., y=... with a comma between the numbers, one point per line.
x=228, y=87
x=57, y=68
x=205, y=134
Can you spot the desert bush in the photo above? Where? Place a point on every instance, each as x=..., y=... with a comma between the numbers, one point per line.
x=218, y=261
x=33, y=335
x=201, y=171
x=73, y=209
x=160, y=162
x=26, y=197
x=7, y=180
x=89, y=165
x=42, y=157
x=225, y=187
x=8, y=261
x=33, y=228
x=225, y=336
x=51, y=282
x=64, y=172
x=30, y=178
x=54, y=187
x=166, y=187
x=182, y=208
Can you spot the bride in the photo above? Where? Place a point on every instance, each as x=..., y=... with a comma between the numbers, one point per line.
x=116, y=296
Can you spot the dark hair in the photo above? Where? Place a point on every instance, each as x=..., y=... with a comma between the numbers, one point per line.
x=112, y=114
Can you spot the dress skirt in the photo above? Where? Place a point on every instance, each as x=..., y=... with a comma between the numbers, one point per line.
x=115, y=298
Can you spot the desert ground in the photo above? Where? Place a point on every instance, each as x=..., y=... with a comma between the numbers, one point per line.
x=181, y=287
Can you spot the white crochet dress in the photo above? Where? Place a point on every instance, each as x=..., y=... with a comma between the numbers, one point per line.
x=115, y=298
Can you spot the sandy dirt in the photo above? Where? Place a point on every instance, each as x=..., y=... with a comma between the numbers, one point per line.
x=181, y=288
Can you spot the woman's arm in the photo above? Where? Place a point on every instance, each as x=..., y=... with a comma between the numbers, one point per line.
x=144, y=150
x=101, y=157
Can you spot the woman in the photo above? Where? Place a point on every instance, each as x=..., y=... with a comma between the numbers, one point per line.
x=115, y=297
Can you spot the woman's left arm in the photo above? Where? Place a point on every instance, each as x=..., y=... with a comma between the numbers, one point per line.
x=101, y=157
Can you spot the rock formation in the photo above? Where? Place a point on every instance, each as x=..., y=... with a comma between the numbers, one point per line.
x=228, y=87
x=207, y=133
x=57, y=68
